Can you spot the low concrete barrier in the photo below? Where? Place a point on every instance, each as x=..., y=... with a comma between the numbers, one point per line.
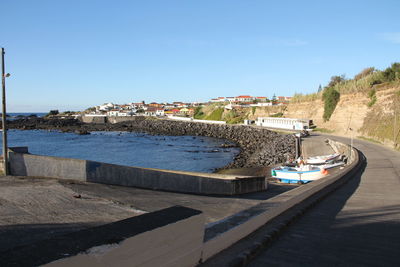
x=23, y=164
x=343, y=149
x=115, y=119
x=91, y=118
x=195, y=120
x=169, y=237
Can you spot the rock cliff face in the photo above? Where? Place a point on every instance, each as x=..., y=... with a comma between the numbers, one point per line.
x=259, y=147
x=349, y=113
x=381, y=121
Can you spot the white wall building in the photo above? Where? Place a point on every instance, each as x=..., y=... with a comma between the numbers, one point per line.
x=244, y=98
x=283, y=123
x=113, y=113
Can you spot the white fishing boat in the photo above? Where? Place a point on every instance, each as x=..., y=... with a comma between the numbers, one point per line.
x=299, y=175
x=330, y=165
x=322, y=159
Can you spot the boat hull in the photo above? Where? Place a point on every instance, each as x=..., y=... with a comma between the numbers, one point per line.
x=292, y=176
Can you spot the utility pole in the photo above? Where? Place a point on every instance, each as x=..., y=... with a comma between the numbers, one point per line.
x=4, y=125
x=394, y=126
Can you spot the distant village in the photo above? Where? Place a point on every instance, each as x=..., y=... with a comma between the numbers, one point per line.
x=180, y=108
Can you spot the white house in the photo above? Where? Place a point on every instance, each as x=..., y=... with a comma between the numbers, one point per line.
x=244, y=98
x=105, y=107
x=120, y=113
x=160, y=112
x=113, y=113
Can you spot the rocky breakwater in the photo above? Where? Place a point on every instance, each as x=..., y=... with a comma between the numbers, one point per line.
x=259, y=147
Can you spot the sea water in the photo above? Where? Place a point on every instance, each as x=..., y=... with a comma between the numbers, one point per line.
x=186, y=153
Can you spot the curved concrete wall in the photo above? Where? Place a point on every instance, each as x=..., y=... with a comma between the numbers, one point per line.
x=22, y=164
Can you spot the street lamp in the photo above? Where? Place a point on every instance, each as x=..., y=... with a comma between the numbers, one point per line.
x=4, y=75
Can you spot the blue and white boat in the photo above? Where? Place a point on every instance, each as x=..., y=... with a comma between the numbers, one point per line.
x=303, y=174
x=298, y=175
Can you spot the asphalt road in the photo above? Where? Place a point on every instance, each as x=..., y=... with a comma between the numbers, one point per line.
x=357, y=225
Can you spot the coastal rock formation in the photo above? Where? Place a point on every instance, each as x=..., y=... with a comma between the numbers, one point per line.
x=259, y=147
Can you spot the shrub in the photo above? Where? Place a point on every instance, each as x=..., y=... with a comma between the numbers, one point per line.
x=198, y=113
x=391, y=73
x=331, y=98
x=371, y=93
x=253, y=110
x=277, y=115
x=372, y=101
x=365, y=72
x=372, y=97
x=52, y=113
x=235, y=120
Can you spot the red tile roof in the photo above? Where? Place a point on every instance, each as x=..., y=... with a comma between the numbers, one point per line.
x=243, y=96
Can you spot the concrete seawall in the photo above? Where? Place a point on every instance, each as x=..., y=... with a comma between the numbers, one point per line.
x=24, y=164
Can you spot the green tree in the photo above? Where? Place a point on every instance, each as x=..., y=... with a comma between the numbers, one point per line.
x=331, y=98
x=391, y=73
x=274, y=100
x=53, y=112
x=336, y=80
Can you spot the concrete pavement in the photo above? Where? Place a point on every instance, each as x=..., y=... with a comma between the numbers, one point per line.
x=33, y=209
x=357, y=225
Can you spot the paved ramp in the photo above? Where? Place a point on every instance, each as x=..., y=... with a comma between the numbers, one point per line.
x=311, y=147
x=357, y=225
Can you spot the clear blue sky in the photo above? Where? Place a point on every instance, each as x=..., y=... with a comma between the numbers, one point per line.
x=71, y=54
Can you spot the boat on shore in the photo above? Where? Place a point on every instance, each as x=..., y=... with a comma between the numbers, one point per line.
x=303, y=174
x=322, y=159
x=298, y=175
